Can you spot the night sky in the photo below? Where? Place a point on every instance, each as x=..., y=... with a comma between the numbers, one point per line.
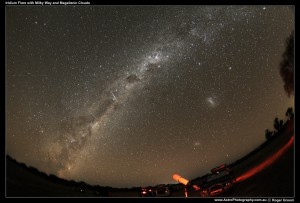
x=127, y=96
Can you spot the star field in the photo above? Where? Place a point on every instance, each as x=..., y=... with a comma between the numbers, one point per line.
x=126, y=96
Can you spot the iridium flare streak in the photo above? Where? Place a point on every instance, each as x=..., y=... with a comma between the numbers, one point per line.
x=114, y=96
x=266, y=163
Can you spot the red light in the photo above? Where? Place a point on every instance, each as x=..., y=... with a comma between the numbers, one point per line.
x=266, y=163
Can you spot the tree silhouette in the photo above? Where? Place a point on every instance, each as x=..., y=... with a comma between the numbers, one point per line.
x=289, y=113
x=268, y=134
x=287, y=66
x=277, y=124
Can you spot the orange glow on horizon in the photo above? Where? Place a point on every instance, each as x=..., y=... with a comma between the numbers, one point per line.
x=266, y=163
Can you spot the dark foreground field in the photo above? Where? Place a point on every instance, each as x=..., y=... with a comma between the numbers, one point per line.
x=269, y=172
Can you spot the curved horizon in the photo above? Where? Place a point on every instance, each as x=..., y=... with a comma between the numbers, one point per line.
x=127, y=95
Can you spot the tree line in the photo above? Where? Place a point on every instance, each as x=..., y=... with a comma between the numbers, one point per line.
x=278, y=124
